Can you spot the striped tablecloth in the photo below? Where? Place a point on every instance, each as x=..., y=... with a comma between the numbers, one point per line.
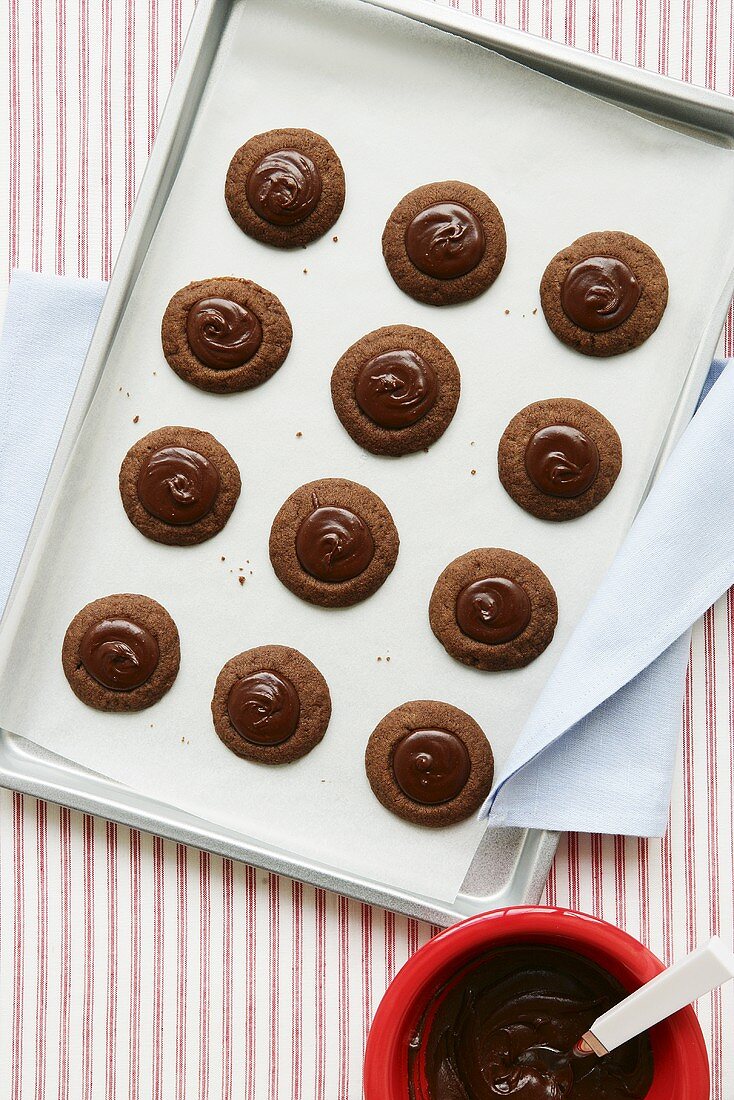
x=131, y=967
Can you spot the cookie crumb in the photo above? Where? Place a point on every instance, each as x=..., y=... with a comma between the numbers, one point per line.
x=335, y=239
x=473, y=472
x=223, y=558
x=183, y=740
x=155, y=372
x=507, y=313
x=136, y=419
x=471, y=442
x=534, y=312
x=242, y=579
x=128, y=393
x=379, y=658
x=305, y=271
x=388, y=660
x=299, y=435
x=119, y=390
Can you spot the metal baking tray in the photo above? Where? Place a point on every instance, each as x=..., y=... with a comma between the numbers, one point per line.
x=510, y=866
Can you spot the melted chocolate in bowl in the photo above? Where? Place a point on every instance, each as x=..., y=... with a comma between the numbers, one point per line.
x=505, y=1027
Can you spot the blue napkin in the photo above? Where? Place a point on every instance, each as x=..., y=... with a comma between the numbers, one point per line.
x=40, y=363
x=598, y=750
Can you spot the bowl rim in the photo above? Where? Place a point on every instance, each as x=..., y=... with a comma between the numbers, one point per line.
x=397, y=1011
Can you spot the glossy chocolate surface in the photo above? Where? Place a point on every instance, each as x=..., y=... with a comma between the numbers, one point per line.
x=561, y=461
x=264, y=707
x=446, y=240
x=222, y=334
x=178, y=486
x=493, y=610
x=334, y=544
x=431, y=766
x=119, y=654
x=284, y=187
x=506, y=1028
x=396, y=389
x=599, y=293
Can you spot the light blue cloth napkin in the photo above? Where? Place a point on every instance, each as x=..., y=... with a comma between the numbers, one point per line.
x=598, y=751
x=48, y=324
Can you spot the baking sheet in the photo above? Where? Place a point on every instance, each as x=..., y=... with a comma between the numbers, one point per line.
x=558, y=164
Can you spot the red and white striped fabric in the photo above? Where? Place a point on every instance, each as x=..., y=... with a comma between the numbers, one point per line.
x=130, y=967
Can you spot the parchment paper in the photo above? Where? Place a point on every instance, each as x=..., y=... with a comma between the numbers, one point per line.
x=402, y=105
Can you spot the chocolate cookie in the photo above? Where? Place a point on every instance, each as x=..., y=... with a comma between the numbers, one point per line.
x=493, y=609
x=333, y=542
x=285, y=187
x=179, y=485
x=225, y=335
x=429, y=763
x=444, y=243
x=559, y=458
x=396, y=390
x=604, y=294
x=121, y=653
x=271, y=704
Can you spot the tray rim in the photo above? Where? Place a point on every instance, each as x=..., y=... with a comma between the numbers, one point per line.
x=28, y=769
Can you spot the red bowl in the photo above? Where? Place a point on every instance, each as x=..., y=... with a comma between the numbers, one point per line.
x=679, y=1051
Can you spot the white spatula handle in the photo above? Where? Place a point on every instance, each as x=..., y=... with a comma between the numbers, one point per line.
x=701, y=971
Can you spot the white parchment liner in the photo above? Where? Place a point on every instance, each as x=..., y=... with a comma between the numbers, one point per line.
x=402, y=105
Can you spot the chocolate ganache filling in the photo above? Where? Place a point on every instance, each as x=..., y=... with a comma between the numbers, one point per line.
x=446, y=240
x=264, y=707
x=178, y=485
x=119, y=654
x=222, y=334
x=431, y=766
x=284, y=187
x=506, y=1027
x=561, y=461
x=493, y=610
x=334, y=544
x=599, y=293
x=396, y=389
